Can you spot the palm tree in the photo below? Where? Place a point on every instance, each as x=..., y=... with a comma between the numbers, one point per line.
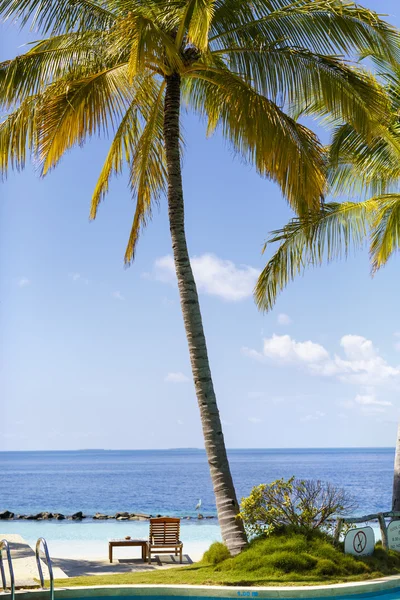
x=396, y=475
x=124, y=66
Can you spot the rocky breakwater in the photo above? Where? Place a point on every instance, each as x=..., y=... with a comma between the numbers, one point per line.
x=7, y=515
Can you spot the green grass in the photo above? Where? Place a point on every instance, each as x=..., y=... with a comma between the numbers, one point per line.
x=281, y=559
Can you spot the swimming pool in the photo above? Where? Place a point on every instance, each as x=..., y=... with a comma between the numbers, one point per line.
x=383, y=589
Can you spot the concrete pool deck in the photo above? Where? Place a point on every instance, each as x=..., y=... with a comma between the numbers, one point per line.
x=79, y=567
x=26, y=573
x=24, y=563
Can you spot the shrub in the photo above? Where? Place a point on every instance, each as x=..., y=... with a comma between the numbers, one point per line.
x=354, y=566
x=216, y=554
x=327, y=567
x=287, y=561
x=304, y=505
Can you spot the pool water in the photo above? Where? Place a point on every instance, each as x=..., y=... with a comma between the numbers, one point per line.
x=393, y=594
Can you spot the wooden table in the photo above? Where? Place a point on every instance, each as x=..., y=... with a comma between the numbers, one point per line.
x=115, y=543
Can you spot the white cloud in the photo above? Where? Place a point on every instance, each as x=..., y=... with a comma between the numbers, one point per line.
x=118, y=296
x=284, y=319
x=370, y=400
x=255, y=395
x=285, y=349
x=254, y=420
x=213, y=275
x=23, y=282
x=397, y=346
x=313, y=417
x=180, y=422
x=360, y=364
x=176, y=378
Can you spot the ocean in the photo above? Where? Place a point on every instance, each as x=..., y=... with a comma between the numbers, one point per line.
x=168, y=482
x=172, y=481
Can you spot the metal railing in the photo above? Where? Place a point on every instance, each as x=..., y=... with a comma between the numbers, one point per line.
x=4, y=546
x=42, y=541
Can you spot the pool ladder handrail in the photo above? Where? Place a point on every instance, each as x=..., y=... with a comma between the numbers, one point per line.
x=4, y=545
x=42, y=541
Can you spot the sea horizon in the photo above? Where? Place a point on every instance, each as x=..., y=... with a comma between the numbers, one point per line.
x=171, y=481
x=236, y=449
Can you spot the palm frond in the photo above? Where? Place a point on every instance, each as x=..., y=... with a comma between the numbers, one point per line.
x=72, y=55
x=296, y=77
x=321, y=26
x=18, y=135
x=121, y=149
x=279, y=147
x=361, y=166
x=73, y=111
x=57, y=16
x=200, y=22
x=124, y=146
x=310, y=240
x=385, y=238
x=147, y=43
x=148, y=172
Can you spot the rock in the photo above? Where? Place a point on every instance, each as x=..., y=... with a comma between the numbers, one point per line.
x=31, y=517
x=199, y=516
x=210, y=517
x=122, y=518
x=19, y=517
x=100, y=516
x=78, y=516
x=110, y=517
x=188, y=518
x=122, y=514
x=138, y=518
x=44, y=516
x=59, y=516
x=6, y=514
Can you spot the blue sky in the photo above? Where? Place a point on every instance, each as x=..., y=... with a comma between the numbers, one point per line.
x=94, y=355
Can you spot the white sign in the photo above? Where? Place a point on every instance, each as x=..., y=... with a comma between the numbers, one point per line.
x=360, y=542
x=393, y=533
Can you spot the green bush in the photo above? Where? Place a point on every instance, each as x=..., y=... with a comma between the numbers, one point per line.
x=327, y=567
x=302, y=505
x=216, y=554
x=288, y=561
x=354, y=566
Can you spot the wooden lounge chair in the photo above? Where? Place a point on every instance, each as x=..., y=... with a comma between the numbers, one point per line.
x=164, y=537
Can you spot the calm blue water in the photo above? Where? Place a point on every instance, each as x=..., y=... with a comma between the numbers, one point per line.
x=171, y=482
x=391, y=595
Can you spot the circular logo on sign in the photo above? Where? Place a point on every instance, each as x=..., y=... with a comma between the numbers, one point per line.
x=359, y=542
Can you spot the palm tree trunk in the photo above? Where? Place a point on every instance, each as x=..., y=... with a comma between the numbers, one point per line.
x=396, y=475
x=227, y=506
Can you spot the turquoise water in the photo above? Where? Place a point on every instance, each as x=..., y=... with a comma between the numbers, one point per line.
x=94, y=533
x=246, y=593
